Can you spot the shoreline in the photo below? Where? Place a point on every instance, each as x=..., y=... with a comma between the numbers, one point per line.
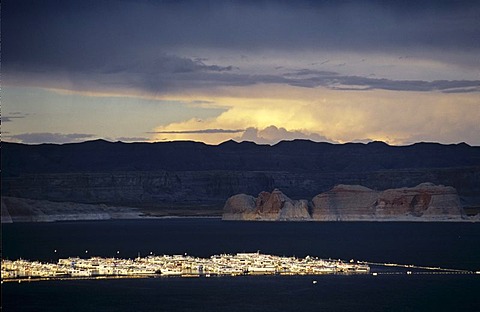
x=156, y=276
x=399, y=220
x=116, y=219
x=134, y=218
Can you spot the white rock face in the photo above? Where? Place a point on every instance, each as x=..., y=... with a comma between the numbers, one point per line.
x=424, y=202
x=274, y=206
x=295, y=210
x=239, y=207
x=29, y=210
x=344, y=202
x=240, y=203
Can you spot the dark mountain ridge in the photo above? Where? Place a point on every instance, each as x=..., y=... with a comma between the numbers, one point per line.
x=290, y=156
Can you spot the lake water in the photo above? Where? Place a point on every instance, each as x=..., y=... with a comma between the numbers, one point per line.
x=449, y=245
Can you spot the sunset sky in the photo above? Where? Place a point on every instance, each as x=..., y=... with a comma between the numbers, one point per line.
x=262, y=71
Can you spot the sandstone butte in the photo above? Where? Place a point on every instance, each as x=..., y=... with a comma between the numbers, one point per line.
x=424, y=202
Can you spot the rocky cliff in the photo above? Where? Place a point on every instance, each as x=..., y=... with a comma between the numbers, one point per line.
x=424, y=202
x=274, y=206
x=344, y=202
x=193, y=178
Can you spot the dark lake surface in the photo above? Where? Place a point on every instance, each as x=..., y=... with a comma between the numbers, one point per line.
x=448, y=245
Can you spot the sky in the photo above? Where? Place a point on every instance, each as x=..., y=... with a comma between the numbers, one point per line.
x=264, y=71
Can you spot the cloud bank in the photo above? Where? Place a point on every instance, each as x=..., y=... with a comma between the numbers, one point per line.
x=143, y=46
x=46, y=137
x=272, y=135
x=168, y=74
x=334, y=70
x=203, y=131
x=89, y=29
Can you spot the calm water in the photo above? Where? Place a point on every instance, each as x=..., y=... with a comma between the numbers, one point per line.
x=452, y=245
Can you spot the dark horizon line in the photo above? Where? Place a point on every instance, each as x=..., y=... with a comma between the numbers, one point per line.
x=230, y=141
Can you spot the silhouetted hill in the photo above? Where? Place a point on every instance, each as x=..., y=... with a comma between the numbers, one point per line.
x=290, y=156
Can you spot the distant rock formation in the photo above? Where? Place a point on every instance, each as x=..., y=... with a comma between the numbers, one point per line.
x=239, y=207
x=424, y=202
x=267, y=206
x=344, y=201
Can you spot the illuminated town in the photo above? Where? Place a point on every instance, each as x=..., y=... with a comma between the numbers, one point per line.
x=177, y=265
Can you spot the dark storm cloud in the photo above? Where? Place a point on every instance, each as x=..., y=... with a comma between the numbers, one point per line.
x=168, y=73
x=344, y=82
x=115, y=44
x=166, y=64
x=12, y=116
x=9, y=118
x=204, y=131
x=47, y=137
x=56, y=31
x=132, y=139
x=158, y=81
